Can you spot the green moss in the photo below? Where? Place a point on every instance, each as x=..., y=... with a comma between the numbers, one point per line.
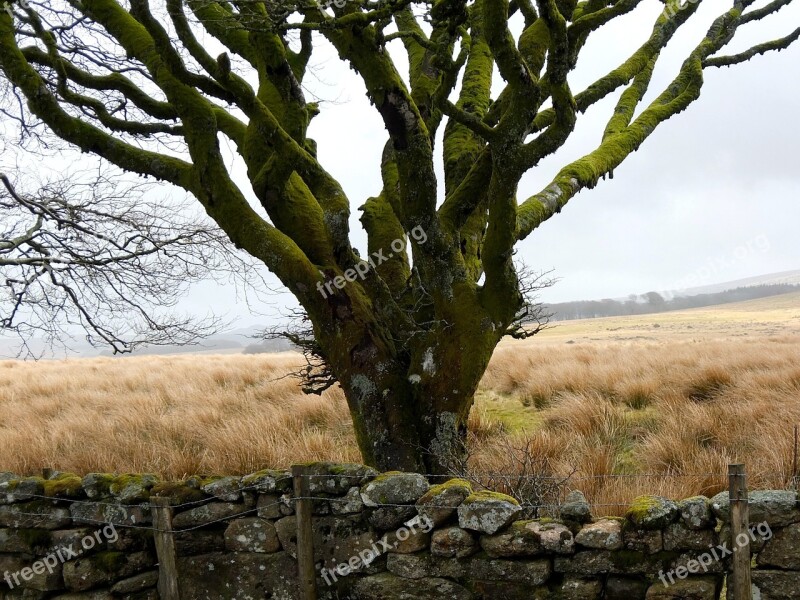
x=449, y=484
x=66, y=484
x=253, y=478
x=109, y=561
x=628, y=559
x=485, y=495
x=177, y=492
x=36, y=538
x=101, y=482
x=387, y=475
x=695, y=498
x=641, y=507
x=133, y=486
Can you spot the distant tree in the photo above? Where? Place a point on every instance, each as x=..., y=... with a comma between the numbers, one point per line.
x=409, y=334
x=654, y=299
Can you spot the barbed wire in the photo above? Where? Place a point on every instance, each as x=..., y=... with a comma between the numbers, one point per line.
x=287, y=498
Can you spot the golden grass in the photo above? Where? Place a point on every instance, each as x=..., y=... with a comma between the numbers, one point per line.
x=681, y=411
x=660, y=416
x=173, y=415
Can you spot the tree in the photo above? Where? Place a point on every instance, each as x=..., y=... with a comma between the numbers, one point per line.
x=409, y=333
x=102, y=258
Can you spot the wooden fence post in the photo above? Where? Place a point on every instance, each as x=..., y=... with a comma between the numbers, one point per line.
x=305, y=539
x=740, y=530
x=165, y=549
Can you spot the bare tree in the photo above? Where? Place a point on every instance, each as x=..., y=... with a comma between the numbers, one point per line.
x=103, y=259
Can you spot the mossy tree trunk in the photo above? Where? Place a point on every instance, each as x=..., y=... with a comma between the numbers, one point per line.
x=409, y=334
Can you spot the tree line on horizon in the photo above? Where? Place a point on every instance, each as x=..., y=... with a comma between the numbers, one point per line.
x=653, y=302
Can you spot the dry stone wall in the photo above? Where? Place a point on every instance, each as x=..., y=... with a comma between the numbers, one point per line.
x=390, y=536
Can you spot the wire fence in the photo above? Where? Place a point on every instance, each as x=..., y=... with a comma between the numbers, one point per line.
x=288, y=498
x=305, y=498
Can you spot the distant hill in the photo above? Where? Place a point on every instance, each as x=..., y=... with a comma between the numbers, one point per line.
x=784, y=277
x=653, y=302
x=247, y=341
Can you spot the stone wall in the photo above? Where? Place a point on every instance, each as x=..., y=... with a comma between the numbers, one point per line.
x=376, y=537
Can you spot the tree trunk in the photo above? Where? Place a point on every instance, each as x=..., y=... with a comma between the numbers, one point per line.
x=410, y=401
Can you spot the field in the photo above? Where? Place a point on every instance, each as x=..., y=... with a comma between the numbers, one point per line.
x=623, y=406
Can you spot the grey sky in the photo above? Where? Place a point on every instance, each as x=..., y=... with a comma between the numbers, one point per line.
x=721, y=176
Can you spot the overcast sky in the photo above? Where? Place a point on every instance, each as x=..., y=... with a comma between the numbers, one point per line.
x=713, y=195
x=721, y=177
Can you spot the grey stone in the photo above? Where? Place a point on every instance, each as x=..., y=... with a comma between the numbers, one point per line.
x=652, y=512
x=626, y=588
x=207, y=513
x=93, y=514
x=97, y=485
x=251, y=535
x=576, y=508
x=26, y=541
x=269, y=506
x=487, y=512
x=690, y=562
x=696, y=512
x=414, y=536
x=757, y=540
x=35, y=575
x=641, y=540
x=20, y=594
x=422, y=564
x=390, y=517
x=415, y=566
x=605, y=534
x=775, y=585
x=693, y=588
x=386, y=586
x=454, y=542
x=579, y=589
x=129, y=540
x=350, y=503
x=336, y=539
x=678, y=536
x=783, y=550
x=554, y=537
x=103, y=568
x=517, y=541
x=137, y=583
x=529, y=572
x=238, y=576
x=93, y=595
x=586, y=563
x=12, y=564
x=191, y=543
x=337, y=478
x=440, y=502
x=226, y=489
x=267, y=481
x=21, y=490
x=777, y=508
x=130, y=489
x=37, y=514
x=394, y=488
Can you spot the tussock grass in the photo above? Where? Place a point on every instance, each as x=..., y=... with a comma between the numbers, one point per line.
x=622, y=419
x=175, y=415
x=680, y=411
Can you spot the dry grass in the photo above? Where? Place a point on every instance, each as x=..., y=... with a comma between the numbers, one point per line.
x=173, y=415
x=678, y=408
x=681, y=411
